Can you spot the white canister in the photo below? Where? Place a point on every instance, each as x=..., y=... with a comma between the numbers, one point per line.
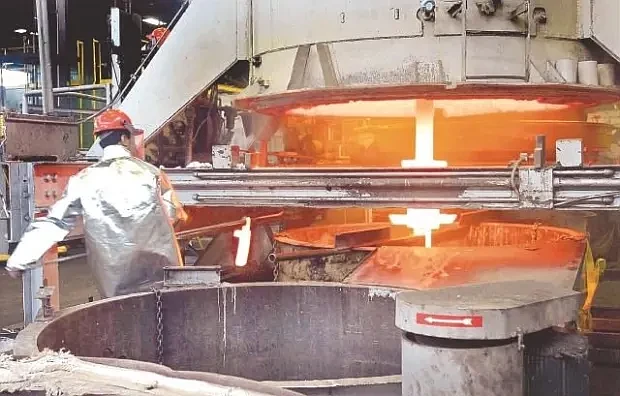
x=606, y=74
x=587, y=72
x=567, y=69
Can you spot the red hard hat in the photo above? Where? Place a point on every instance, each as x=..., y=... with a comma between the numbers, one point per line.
x=111, y=120
x=159, y=35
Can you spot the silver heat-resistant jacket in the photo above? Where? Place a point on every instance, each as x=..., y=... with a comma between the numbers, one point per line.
x=128, y=208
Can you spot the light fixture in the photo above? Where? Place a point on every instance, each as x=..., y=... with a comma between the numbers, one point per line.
x=153, y=21
x=20, y=31
x=14, y=78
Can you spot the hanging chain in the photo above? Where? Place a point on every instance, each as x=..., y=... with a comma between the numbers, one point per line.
x=276, y=264
x=276, y=271
x=160, y=327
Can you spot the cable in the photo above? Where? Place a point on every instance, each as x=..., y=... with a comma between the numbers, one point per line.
x=134, y=76
x=568, y=202
x=513, y=173
x=213, y=97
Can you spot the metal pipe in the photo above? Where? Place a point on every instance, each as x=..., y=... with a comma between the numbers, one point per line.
x=349, y=183
x=356, y=170
x=82, y=96
x=2, y=89
x=276, y=199
x=24, y=104
x=216, y=229
x=45, y=60
x=67, y=111
x=78, y=88
x=605, y=199
x=341, y=174
x=305, y=254
x=68, y=258
x=587, y=183
x=607, y=172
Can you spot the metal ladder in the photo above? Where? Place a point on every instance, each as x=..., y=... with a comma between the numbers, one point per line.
x=524, y=8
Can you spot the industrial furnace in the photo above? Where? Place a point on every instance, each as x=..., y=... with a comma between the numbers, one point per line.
x=378, y=147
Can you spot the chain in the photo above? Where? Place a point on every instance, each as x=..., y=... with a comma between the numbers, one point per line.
x=276, y=271
x=276, y=264
x=160, y=327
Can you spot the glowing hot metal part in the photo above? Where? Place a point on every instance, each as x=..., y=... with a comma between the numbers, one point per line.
x=423, y=221
x=424, y=138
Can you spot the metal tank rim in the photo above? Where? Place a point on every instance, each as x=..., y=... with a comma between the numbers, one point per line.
x=214, y=378
x=26, y=343
x=248, y=387
x=278, y=102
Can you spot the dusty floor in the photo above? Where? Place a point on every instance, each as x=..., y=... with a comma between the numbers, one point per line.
x=76, y=287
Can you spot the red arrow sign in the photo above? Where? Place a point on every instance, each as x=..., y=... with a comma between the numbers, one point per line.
x=448, y=320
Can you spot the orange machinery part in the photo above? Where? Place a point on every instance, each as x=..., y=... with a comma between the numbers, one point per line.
x=50, y=181
x=477, y=140
x=482, y=252
x=492, y=139
x=421, y=268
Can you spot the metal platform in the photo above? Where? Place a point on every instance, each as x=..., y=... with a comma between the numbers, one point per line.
x=469, y=340
x=494, y=311
x=585, y=188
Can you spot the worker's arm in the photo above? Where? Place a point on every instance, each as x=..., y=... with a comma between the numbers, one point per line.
x=171, y=203
x=44, y=232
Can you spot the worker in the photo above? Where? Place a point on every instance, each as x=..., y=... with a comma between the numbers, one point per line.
x=129, y=211
x=158, y=36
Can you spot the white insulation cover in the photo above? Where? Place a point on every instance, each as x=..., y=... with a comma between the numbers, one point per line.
x=207, y=40
x=605, y=27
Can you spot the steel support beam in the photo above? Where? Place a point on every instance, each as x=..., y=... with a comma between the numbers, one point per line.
x=45, y=60
x=21, y=182
x=586, y=188
x=63, y=76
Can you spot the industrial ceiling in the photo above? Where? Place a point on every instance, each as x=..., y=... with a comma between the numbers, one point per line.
x=84, y=15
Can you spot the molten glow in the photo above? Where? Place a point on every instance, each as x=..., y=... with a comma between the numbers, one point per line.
x=408, y=108
x=424, y=137
x=423, y=221
x=243, y=249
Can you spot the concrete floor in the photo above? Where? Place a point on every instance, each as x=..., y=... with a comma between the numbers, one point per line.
x=76, y=286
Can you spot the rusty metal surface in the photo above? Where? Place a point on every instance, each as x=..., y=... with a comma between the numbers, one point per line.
x=335, y=236
x=491, y=252
x=51, y=178
x=556, y=364
x=39, y=137
x=276, y=332
x=191, y=276
x=50, y=181
x=319, y=268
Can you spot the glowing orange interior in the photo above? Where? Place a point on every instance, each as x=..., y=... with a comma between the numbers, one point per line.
x=468, y=131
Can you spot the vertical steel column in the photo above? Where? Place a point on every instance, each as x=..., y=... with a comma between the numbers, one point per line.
x=21, y=188
x=24, y=104
x=4, y=210
x=2, y=89
x=115, y=36
x=62, y=64
x=45, y=61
